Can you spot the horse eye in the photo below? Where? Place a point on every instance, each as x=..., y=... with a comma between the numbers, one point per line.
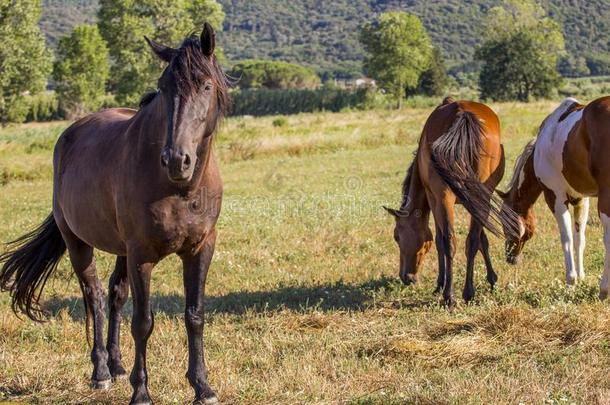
x=208, y=87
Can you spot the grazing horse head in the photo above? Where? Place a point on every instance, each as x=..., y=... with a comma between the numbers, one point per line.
x=523, y=191
x=412, y=232
x=195, y=94
x=414, y=239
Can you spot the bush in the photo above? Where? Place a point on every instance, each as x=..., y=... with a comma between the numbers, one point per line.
x=280, y=122
x=275, y=102
x=43, y=107
x=256, y=74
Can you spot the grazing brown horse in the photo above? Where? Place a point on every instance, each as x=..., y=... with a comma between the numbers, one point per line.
x=141, y=185
x=567, y=162
x=459, y=159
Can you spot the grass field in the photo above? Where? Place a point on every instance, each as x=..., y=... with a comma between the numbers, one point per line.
x=304, y=303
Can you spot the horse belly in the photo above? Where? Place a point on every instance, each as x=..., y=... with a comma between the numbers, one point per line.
x=88, y=209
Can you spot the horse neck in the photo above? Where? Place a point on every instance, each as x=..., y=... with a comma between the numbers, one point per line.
x=527, y=189
x=415, y=198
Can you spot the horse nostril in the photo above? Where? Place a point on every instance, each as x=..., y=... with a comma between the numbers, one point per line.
x=187, y=161
x=164, y=159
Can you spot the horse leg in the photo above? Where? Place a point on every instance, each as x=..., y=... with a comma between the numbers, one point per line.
x=604, y=214
x=492, y=277
x=83, y=262
x=195, y=273
x=444, y=215
x=558, y=204
x=473, y=242
x=581, y=214
x=118, y=292
x=139, y=273
x=440, y=281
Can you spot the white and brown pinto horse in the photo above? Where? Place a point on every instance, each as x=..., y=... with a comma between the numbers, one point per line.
x=459, y=159
x=568, y=162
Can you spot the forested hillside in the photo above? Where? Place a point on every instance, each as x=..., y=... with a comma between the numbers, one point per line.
x=324, y=34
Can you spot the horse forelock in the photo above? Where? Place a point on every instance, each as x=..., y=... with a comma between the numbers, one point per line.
x=191, y=69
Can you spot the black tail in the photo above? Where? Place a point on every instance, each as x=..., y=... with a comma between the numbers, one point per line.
x=28, y=264
x=455, y=156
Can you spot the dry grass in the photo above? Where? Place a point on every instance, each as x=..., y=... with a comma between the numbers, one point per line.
x=304, y=305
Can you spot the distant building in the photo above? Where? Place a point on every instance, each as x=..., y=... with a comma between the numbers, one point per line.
x=365, y=82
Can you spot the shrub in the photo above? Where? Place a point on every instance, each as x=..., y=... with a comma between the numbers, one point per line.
x=256, y=74
x=280, y=122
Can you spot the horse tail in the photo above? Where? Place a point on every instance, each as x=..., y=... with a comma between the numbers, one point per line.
x=27, y=265
x=455, y=157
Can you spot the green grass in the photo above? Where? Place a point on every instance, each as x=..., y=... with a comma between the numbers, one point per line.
x=304, y=304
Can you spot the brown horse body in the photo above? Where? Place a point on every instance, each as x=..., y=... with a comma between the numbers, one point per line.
x=460, y=159
x=568, y=163
x=141, y=185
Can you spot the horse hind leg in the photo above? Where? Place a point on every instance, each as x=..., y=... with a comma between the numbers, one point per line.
x=473, y=242
x=492, y=277
x=604, y=213
x=118, y=292
x=83, y=263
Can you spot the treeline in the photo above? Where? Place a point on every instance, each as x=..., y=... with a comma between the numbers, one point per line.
x=324, y=35
x=108, y=63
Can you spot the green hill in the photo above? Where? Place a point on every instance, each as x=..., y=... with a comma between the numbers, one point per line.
x=324, y=34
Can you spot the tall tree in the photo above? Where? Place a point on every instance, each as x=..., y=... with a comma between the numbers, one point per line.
x=398, y=51
x=434, y=80
x=81, y=70
x=25, y=63
x=521, y=52
x=124, y=23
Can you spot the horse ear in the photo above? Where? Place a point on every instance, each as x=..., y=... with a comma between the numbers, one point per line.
x=392, y=211
x=165, y=53
x=503, y=195
x=208, y=40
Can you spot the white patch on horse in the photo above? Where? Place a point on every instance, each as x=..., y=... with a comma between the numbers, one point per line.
x=521, y=228
x=604, y=286
x=550, y=143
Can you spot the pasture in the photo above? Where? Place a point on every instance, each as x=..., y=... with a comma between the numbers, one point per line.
x=304, y=304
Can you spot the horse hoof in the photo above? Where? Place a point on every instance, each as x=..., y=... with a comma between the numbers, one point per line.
x=603, y=295
x=120, y=376
x=100, y=385
x=206, y=401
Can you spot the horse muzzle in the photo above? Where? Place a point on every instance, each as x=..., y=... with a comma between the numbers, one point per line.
x=179, y=165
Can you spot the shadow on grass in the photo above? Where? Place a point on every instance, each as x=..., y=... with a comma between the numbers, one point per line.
x=326, y=297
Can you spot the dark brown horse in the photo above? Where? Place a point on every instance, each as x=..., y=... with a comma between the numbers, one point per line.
x=459, y=159
x=141, y=185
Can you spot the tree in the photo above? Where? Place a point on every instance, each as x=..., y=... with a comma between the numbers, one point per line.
x=514, y=70
x=81, y=70
x=433, y=81
x=521, y=52
x=399, y=51
x=573, y=66
x=124, y=23
x=253, y=74
x=25, y=63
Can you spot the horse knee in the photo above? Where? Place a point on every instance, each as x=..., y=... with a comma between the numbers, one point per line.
x=193, y=318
